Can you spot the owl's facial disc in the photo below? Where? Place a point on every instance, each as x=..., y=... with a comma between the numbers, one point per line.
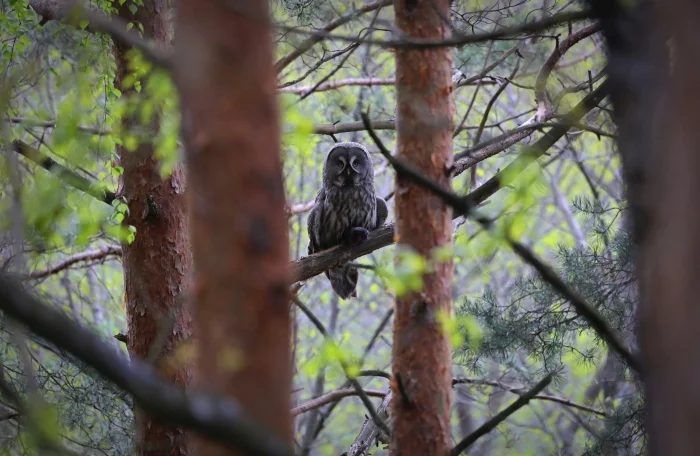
x=347, y=166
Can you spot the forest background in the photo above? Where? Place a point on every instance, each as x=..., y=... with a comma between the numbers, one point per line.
x=95, y=223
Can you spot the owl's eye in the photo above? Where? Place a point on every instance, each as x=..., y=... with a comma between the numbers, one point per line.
x=340, y=165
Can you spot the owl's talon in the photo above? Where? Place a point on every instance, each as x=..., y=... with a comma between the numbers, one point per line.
x=355, y=236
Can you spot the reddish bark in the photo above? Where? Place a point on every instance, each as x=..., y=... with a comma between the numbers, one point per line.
x=158, y=263
x=421, y=352
x=225, y=75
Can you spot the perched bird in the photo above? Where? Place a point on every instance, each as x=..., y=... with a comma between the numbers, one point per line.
x=346, y=209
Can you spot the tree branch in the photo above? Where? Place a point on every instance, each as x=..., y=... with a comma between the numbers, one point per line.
x=333, y=396
x=353, y=381
x=90, y=255
x=71, y=12
x=541, y=397
x=29, y=123
x=491, y=424
x=318, y=37
x=559, y=51
x=456, y=39
x=66, y=175
x=216, y=417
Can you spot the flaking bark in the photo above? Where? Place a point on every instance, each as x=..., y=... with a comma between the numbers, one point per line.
x=157, y=264
x=421, y=353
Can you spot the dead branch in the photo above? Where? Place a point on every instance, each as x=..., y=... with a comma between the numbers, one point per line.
x=333, y=396
x=491, y=424
x=89, y=255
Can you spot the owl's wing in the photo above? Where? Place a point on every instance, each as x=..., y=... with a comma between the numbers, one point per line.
x=382, y=212
x=314, y=223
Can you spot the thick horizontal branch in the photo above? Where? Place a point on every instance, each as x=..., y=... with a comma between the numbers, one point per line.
x=68, y=176
x=90, y=255
x=333, y=396
x=216, y=417
x=491, y=424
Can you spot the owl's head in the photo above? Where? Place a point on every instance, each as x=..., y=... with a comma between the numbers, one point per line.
x=348, y=164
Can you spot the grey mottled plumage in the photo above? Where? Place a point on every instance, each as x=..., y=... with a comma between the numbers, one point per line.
x=346, y=209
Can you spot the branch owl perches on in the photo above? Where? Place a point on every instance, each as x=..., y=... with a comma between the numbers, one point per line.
x=346, y=210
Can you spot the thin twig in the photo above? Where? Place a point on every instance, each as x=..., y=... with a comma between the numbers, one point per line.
x=456, y=39
x=333, y=396
x=319, y=36
x=491, y=424
x=89, y=255
x=541, y=397
x=360, y=392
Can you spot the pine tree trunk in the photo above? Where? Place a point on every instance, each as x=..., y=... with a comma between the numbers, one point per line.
x=224, y=67
x=670, y=248
x=421, y=351
x=157, y=265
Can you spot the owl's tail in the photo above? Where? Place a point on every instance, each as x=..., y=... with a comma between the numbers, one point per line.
x=343, y=279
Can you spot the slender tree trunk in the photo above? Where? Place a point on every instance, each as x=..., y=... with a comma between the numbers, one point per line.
x=421, y=352
x=157, y=264
x=225, y=75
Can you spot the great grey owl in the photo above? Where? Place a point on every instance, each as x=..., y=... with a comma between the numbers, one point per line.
x=346, y=209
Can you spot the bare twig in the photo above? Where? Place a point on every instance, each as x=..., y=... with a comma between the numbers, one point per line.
x=89, y=255
x=456, y=39
x=565, y=45
x=319, y=36
x=332, y=396
x=468, y=157
x=355, y=384
x=27, y=122
x=542, y=397
x=491, y=424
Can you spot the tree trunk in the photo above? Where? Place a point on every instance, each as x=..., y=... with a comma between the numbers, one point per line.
x=669, y=310
x=230, y=124
x=421, y=351
x=157, y=264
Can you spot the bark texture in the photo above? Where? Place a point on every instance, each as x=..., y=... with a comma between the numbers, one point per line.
x=421, y=352
x=669, y=311
x=157, y=265
x=225, y=75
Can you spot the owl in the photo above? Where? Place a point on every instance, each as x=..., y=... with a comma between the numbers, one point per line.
x=346, y=209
